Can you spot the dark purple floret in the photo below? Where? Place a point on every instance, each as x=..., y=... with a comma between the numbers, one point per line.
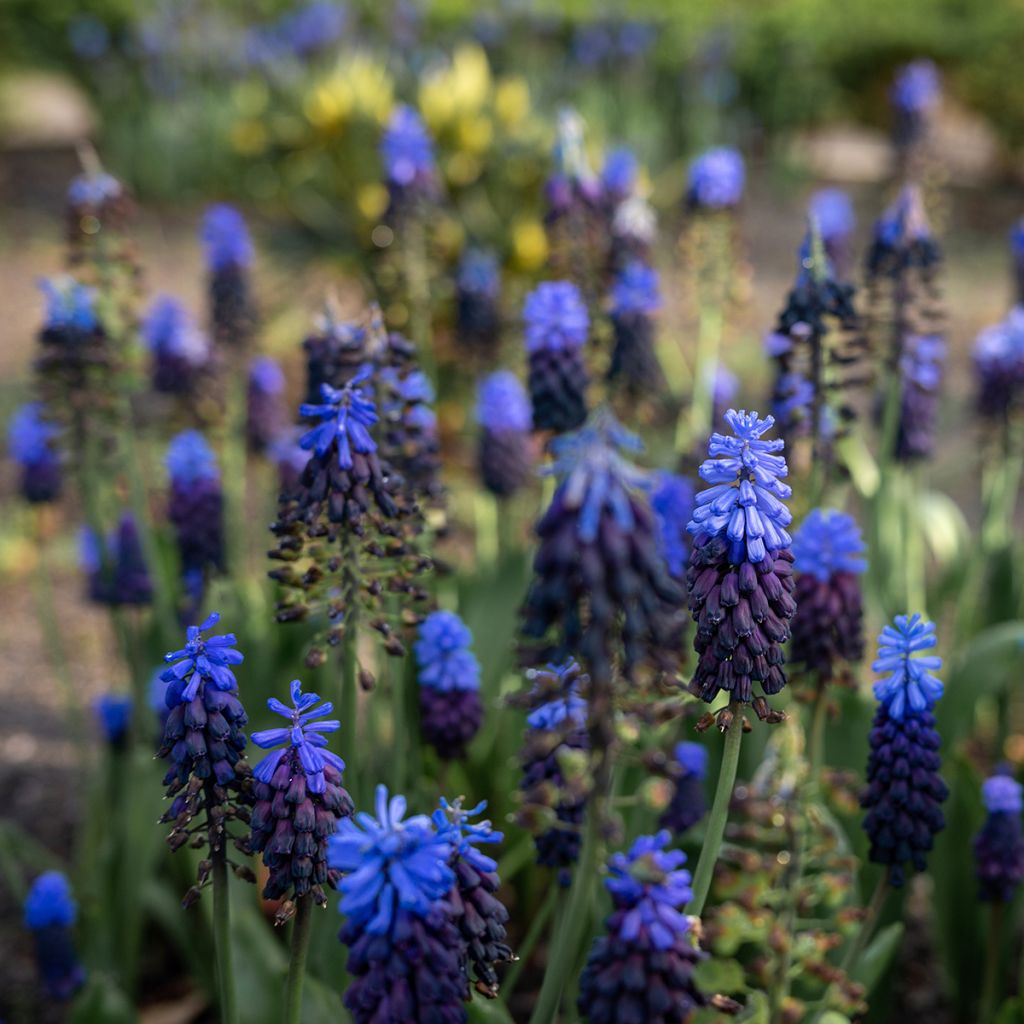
x=208, y=779
x=999, y=846
x=634, y=363
x=999, y=366
x=903, y=238
x=299, y=799
x=180, y=351
x=641, y=971
x=116, y=569
x=265, y=418
x=49, y=913
x=477, y=293
x=30, y=441
x=904, y=792
x=505, y=455
x=921, y=369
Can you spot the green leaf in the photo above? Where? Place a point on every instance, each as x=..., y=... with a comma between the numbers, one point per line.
x=720, y=975
x=1011, y=1012
x=876, y=958
x=757, y=1010
x=488, y=1011
x=102, y=1002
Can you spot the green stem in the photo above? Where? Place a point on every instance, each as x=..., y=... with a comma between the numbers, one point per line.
x=719, y=814
x=222, y=934
x=990, y=989
x=569, y=935
x=709, y=336
x=526, y=947
x=301, y=930
x=417, y=292
x=400, y=730
x=817, y=738
x=349, y=702
x=233, y=461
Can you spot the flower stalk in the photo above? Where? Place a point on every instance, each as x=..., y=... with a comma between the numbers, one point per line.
x=301, y=931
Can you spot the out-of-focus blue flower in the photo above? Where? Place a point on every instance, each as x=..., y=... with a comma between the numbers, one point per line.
x=407, y=149
x=225, y=238
x=168, y=328
x=999, y=846
x=266, y=375
x=305, y=734
x=917, y=87
x=716, y=179
x=555, y=317
x=93, y=189
x=30, y=437
x=50, y=902
x=635, y=290
x=828, y=542
x=347, y=416
x=502, y=403
x=88, y=36
x=909, y=686
x=114, y=715
x=745, y=501
x=567, y=707
x=672, y=503
x=443, y=653
x=692, y=758
x=115, y=565
x=832, y=210
x=190, y=459
x=313, y=26
x=592, y=42
x=922, y=360
x=479, y=272
x=208, y=658
x=1002, y=794
x=391, y=864
x=619, y=173
x=635, y=38
x=70, y=305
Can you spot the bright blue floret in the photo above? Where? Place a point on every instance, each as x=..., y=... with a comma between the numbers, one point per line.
x=833, y=211
x=70, y=305
x=1002, y=794
x=208, y=658
x=502, y=404
x=635, y=290
x=619, y=172
x=305, y=734
x=266, y=375
x=909, y=687
x=716, y=179
x=190, y=459
x=347, y=415
x=225, y=238
x=692, y=758
x=406, y=148
x=49, y=902
x=745, y=503
x=828, y=542
x=390, y=864
x=30, y=436
x=453, y=826
x=114, y=714
x=651, y=882
x=567, y=706
x=169, y=328
x=555, y=317
x=917, y=87
x=443, y=656
x=93, y=189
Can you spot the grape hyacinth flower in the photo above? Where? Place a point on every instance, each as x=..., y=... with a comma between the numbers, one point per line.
x=1017, y=256
x=689, y=801
x=30, y=439
x=265, y=415
x=999, y=846
x=96, y=202
x=205, y=744
x=114, y=717
x=672, y=504
x=49, y=912
x=921, y=370
x=915, y=94
x=601, y=589
x=407, y=153
x=335, y=352
x=116, y=568
x=634, y=299
x=903, y=238
x=556, y=326
x=505, y=454
x=299, y=799
x=228, y=251
x=642, y=968
x=404, y=949
x=740, y=578
x=828, y=627
x=619, y=174
x=180, y=350
x=289, y=457
x=904, y=789
x=449, y=684
x=716, y=180
x=196, y=510
x=831, y=210
x=477, y=292
x=480, y=915
x=554, y=793
x=634, y=229
x=999, y=367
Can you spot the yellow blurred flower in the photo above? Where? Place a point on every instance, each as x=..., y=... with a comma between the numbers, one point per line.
x=462, y=168
x=529, y=244
x=449, y=234
x=372, y=200
x=458, y=89
x=248, y=137
x=475, y=134
x=330, y=103
x=512, y=100
x=359, y=86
